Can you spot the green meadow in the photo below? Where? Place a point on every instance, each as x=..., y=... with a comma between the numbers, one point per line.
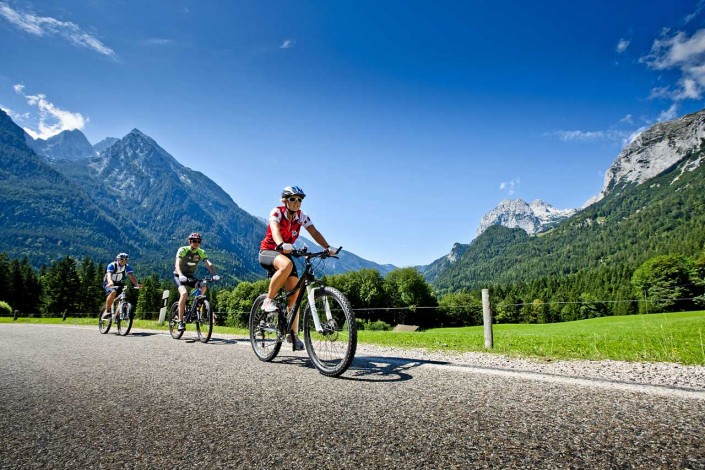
x=669, y=337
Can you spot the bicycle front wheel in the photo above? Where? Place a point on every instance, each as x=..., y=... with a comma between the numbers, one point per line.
x=204, y=321
x=105, y=319
x=174, y=321
x=264, y=331
x=124, y=320
x=332, y=349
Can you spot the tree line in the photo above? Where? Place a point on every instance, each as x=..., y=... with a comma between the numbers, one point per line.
x=660, y=284
x=70, y=286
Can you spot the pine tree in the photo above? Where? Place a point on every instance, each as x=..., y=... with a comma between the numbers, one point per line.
x=91, y=298
x=62, y=285
x=150, y=298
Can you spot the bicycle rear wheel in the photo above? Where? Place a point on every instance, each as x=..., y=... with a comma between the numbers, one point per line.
x=124, y=319
x=264, y=331
x=174, y=321
x=204, y=321
x=105, y=319
x=333, y=349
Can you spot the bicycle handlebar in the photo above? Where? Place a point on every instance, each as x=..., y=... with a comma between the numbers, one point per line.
x=304, y=253
x=205, y=279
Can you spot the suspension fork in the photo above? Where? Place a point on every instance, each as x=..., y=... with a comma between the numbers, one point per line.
x=311, y=291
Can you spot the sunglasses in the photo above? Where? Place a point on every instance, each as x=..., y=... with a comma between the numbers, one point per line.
x=195, y=241
x=295, y=199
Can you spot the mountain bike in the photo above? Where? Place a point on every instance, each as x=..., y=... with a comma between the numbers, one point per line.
x=121, y=313
x=330, y=331
x=197, y=310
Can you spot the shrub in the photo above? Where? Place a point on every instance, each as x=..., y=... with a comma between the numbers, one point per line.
x=5, y=309
x=360, y=324
x=378, y=325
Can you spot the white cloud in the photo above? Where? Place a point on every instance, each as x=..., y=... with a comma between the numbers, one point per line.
x=52, y=119
x=683, y=53
x=510, y=186
x=588, y=136
x=627, y=119
x=670, y=113
x=15, y=116
x=287, y=44
x=158, y=42
x=622, y=45
x=697, y=11
x=47, y=26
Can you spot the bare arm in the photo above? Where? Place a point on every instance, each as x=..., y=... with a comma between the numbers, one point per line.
x=317, y=236
x=177, y=268
x=133, y=279
x=210, y=266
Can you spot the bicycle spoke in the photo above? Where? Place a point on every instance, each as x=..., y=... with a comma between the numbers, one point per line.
x=204, y=321
x=264, y=331
x=332, y=349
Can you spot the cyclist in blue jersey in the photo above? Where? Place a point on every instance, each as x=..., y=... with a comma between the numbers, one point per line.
x=114, y=279
x=187, y=259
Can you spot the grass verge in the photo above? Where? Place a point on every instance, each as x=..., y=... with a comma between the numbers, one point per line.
x=671, y=337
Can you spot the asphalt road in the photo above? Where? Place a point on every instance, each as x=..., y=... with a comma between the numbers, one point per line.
x=72, y=398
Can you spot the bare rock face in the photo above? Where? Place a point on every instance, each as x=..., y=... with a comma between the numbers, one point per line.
x=654, y=151
x=532, y=218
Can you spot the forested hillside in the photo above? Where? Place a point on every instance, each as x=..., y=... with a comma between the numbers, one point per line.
x=596, y=251
x=132, y=197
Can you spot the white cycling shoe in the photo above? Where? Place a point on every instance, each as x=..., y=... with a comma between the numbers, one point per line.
x=269, y=305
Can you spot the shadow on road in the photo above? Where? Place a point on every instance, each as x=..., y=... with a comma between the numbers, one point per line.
x=142, y=334
x=368, y=368
x=384, y=369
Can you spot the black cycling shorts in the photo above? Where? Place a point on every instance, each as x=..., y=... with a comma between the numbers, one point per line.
x=266, y=260
x=190, y=282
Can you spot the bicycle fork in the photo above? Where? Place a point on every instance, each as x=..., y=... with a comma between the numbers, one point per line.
x=310, y=291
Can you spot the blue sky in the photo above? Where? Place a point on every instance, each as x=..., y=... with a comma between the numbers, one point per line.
x=405, y=122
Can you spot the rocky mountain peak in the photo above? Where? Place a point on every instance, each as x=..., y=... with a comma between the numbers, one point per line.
x=105, y=144
x=532, y=218
x=654, y=151
x=70, y=145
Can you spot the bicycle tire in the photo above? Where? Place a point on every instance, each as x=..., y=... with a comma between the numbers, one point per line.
x=333, y=350
x=124, y=319
x=264, y=331
x=104, y=321
x=204, y=321
x=174, y=321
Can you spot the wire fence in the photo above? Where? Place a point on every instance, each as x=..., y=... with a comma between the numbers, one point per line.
x=465, y=307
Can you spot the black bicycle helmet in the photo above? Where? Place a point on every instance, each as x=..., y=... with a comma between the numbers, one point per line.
x=194, y=236
x=124, y=256
x=293, y=191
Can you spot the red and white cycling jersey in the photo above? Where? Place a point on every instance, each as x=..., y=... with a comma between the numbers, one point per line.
x=289, y=229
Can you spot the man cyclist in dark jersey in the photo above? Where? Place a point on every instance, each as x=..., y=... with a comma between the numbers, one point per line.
x=187, y=259
x=114, y=279
x=284, y=227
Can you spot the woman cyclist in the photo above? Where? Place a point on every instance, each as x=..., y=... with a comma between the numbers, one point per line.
x=285, y=224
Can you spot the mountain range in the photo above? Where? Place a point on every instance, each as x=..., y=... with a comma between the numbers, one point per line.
x=651, y=203
x=63, y=196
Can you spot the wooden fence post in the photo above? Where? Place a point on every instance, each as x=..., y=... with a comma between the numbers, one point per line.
x=487, y=319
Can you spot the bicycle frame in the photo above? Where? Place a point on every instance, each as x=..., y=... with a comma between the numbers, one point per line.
x=191, y=302
x=119, y=301
x=307, y=280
